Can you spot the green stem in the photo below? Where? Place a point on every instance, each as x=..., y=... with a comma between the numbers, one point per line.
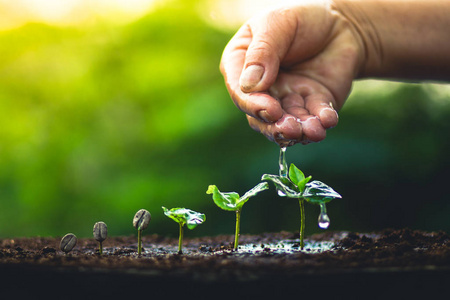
x=100, y=248
x=139, y=242
x=302, y=222
x=180, y=240
x=238, y=226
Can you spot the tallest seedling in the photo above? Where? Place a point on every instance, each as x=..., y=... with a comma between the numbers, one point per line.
x=232, y=202
x=299, y=187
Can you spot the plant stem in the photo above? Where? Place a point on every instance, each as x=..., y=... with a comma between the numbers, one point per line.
x=139, y=242
x=180, y=240
x=302, y=222
x=238, y=226
x=100, y=248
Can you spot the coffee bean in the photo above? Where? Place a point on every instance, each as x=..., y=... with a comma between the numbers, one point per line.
x=141, y=219
x=68, y=242
x=100, y=231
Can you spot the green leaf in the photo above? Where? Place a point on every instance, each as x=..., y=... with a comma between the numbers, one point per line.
x=283, y=184
x=298, y=178
x=231, y=201
x=185, y=216
x=318, y=192
x=253, y=192
x=295, y=175
x=226, y=201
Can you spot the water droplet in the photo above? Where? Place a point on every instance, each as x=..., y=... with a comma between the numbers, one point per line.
x=324, y=220
x=283, y=168
x=282, y=162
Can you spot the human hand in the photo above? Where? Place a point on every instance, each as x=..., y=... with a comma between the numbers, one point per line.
x=291, y=69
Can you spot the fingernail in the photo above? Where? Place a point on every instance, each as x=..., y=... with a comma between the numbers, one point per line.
x=251, y=77
x=264, y=115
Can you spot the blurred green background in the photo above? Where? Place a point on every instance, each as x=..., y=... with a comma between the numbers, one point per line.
x=101, y=119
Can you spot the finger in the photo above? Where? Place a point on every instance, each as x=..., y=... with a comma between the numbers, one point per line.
x=272, y=35
x=287, y=131
x=312, y=128
x=294, y=104
x=259, y=105
x=313, y=131
x=321, y=105
x=300, y=93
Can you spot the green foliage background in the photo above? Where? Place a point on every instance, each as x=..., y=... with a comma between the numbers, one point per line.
x=97, y=122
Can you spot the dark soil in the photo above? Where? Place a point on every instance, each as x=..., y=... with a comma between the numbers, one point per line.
x=383, y=265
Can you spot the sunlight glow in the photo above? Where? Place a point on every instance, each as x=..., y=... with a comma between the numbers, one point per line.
x=71, y=12
x=231, y=14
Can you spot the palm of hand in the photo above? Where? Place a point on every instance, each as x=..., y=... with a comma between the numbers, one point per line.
x=307, y=75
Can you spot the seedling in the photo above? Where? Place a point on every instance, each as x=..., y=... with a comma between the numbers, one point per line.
x=140, y=222
x=298, y=186
x=68, y=242
x=184, y=216
x=100, y=232
x=232, y=202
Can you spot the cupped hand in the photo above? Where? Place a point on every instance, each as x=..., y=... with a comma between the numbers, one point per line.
x=290, y=70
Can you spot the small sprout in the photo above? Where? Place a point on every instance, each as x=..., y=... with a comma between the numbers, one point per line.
x=68, y=242
x=298, y=186
x=140, y=222
x=100, y=232
x=184, y=216
x=232, y=202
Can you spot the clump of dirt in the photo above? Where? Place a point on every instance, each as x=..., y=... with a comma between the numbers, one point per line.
x=407, y=260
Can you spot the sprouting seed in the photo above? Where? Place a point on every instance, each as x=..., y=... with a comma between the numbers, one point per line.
x=68, y=242
x=100, y=232
x=140, y=222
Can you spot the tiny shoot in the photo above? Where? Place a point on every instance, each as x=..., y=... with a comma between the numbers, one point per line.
x=231, y=201
x=100, y=232
x=140, y=222
x=184, y=216
x=298, y=186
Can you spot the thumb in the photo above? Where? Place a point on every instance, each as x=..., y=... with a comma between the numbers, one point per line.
x=271, y=37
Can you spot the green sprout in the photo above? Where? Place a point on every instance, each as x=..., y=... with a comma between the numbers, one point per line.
x=298, y=186
x=233, y=202
x=184, y=216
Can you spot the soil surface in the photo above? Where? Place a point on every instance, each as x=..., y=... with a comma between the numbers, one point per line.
x=380, y=265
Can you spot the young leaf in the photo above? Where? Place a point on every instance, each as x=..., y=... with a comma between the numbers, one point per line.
x=318, y=192
x=251, y=193
x=295, y=174
x=298, y=178
x=185, y=216
x=283, y=184
x=226, y=201
x=231, y=201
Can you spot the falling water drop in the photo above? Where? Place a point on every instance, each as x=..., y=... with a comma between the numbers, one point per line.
x=282, y=162
x=324, y=220
x=283, y=168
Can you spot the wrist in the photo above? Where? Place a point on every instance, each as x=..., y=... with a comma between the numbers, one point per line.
x=401, y=39
x=364, y=32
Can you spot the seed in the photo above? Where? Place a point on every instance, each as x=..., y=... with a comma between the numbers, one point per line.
x=141, y=219
x=68, y=242
x=100, y=231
